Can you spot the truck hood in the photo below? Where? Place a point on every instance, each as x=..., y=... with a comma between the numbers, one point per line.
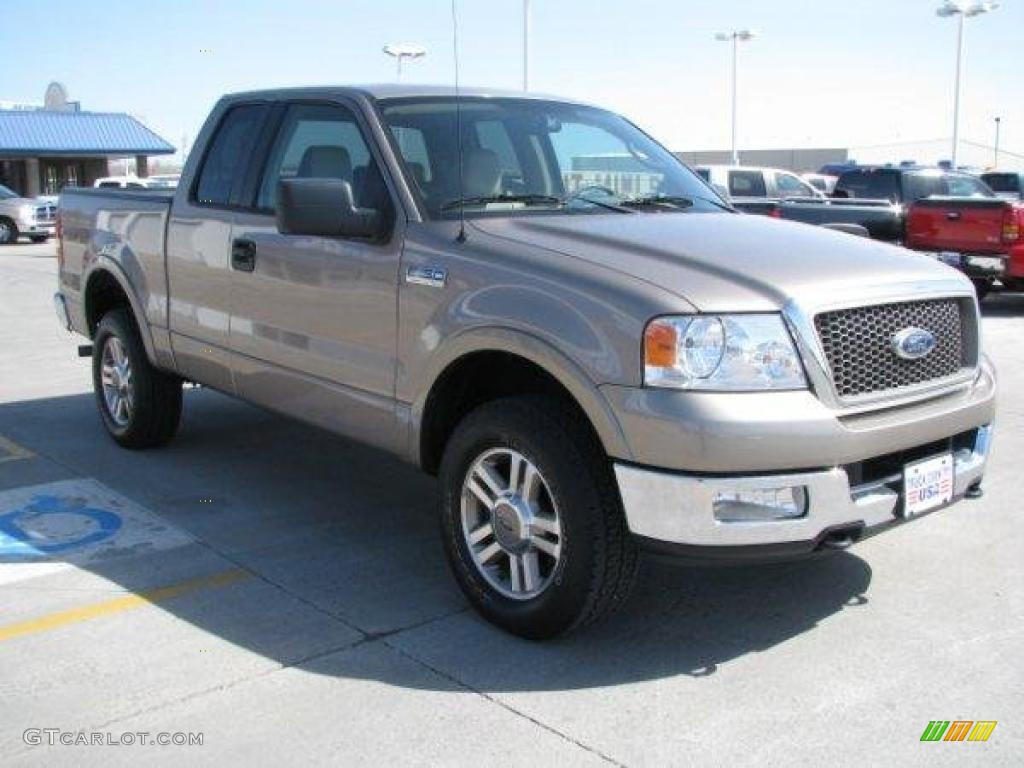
x=725, y=262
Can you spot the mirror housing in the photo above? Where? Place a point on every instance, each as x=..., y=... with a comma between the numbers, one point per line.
x=325, y=208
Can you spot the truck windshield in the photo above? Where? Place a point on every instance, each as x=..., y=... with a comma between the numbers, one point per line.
x=530, y=156
x=938, y=184
x=7, y=194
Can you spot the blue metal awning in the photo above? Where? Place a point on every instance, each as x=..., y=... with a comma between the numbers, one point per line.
x=41, y=132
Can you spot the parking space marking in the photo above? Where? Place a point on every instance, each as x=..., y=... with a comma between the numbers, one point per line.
x=11, y=451
x=75, y=523
x=119, y=604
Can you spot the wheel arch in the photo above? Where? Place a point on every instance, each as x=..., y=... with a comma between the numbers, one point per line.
x=106, y=288
x=485, y=364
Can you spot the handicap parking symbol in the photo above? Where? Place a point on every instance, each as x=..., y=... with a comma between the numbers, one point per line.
x=51, y=525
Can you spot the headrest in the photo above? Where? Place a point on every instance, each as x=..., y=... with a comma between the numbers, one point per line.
x=481, y=173
x=326, y=162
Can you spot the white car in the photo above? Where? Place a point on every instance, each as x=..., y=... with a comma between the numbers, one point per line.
x=134, y=182
x=751, y=181
x=32, y=218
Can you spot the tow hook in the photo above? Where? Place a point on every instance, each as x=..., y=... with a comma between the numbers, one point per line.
x=975, y=491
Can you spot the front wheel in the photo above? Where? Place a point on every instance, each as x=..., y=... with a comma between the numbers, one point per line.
x=8, y=232
x=37, y=239
x=139, y=404
x=531, y=518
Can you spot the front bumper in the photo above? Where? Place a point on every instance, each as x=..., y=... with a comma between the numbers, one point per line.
x=675, y=511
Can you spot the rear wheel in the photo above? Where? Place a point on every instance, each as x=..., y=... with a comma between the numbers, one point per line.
x=531, y=518
x=140, y=405
x=8, y=232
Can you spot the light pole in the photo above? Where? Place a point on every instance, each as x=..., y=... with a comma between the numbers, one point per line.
x=404, y=51
x=995, y=158
x=526, y=45
x=962, y=9
x=736, y=37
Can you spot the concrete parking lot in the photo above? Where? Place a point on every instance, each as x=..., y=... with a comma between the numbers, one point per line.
x=283, y=593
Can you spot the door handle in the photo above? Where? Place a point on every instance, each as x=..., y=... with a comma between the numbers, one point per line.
x=243, y=255
x=953, y=215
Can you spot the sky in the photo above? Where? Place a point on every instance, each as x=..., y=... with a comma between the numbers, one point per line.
x=847, y=73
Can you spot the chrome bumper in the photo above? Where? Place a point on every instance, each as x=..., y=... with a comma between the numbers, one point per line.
x=677, y=508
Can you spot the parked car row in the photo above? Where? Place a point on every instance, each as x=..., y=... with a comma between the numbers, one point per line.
x=953, y=216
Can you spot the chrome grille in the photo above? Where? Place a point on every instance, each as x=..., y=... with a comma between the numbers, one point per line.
x=858, y=345
x=46, y=213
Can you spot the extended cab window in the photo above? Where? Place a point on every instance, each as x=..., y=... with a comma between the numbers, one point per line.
x=1002, y=182
x=870, y=185
x=747, y=184
x=227, y=159
x=323, y=141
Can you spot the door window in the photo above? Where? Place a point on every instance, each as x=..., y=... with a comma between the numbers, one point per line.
x=747, y=184
x=323, y=141
x=790, y=186
x=227, y=159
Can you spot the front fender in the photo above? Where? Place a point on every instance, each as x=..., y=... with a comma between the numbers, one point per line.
x=537, y=351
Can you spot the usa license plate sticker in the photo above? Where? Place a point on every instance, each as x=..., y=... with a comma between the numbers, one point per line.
x=927, y=484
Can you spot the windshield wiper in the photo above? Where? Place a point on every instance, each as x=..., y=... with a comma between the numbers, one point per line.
x=527, y=199
x=678, y=202
x=600, y=203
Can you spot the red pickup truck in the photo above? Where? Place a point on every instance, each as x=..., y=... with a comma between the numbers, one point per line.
x=1013, y=280
x=973, y=234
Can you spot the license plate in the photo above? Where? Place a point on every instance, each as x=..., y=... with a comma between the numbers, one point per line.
x=949, y=257
x=927, y=484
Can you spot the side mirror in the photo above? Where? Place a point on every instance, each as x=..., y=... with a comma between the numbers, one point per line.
x=324, y=207
x=840, y=194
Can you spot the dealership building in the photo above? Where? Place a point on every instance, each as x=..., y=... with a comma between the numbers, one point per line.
x=46, y=148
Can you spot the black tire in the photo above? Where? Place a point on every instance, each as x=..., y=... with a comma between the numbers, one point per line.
x=983, y=288
x=8, y=231
x=156, y=396
x=38, y=239
x=598, y=560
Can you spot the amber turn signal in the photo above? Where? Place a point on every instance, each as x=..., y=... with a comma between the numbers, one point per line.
x=660, y=343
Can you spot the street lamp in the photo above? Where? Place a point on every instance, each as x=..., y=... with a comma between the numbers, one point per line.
x=526, y=45
x=404, y=51
x=962, y=9
x=995, y=159
x=736, y=37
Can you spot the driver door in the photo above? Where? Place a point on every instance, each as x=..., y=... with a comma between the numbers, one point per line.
x=313, y=322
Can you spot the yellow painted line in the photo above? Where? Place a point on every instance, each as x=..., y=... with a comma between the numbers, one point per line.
x=12, y=451
x=118, y=605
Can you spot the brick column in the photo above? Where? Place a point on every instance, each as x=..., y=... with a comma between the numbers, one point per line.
x=33, y=187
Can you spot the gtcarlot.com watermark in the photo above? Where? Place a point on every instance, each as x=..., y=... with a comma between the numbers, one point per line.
x=35, y=737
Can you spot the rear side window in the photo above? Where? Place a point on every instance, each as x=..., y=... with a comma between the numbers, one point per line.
x=226, y=161
x=704, y=173
x=747, y=184
x=870, y=185
x=1002, y=182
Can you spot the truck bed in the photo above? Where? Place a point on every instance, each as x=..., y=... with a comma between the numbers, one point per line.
x=125, y=227
x=883, y=220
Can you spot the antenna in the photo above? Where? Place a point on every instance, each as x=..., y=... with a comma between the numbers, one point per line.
x=461, y=237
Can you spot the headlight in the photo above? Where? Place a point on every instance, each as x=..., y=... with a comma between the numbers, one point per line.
x=732, y=353
x=28, y=212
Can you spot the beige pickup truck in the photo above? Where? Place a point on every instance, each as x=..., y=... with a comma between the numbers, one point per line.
x=531, y=299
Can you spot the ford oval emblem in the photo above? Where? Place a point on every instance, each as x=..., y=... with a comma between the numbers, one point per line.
x=913, y=343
